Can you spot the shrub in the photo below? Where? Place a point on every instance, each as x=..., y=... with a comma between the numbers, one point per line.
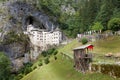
x=4, y=67
x=19, y=76
x=55, y=57
x=34, y=67
x=44, y=53
x=55, y=52
x=27, y=70
x=28, y=64
x=46, y=60
x=84, y=40
x=40, y=63
x=51, y=51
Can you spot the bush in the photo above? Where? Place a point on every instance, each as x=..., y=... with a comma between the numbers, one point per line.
x=34, y=67
x=27, y=70
x=28, y=64
x=51, y=51
x=40, y=63
x=44, y=53
x=4, y=67
x=55, y=52
x=55, y=57
x=19, y=76
x=46, y=60
x=84, y=40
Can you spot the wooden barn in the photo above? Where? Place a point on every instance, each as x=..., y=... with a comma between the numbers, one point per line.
x=82, y=57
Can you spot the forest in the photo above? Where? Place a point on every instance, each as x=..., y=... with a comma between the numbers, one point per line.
x=72, y=17
x=78, y=16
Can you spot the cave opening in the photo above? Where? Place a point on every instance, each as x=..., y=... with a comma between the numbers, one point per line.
x=30, y=20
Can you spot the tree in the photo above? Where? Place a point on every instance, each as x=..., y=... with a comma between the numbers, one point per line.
x=86, y=13
x=105, y=13
x=114, y=24
x=97, y=26
x=4, y=67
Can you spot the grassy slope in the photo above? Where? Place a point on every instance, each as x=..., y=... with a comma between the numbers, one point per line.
x=69, y=47
x=102, y=47
x=62, y=69
x=111, y=44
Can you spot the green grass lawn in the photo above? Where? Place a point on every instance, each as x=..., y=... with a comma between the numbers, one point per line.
x=62, y=69
x=102, y=47
x=109, y=45
x=68, y=49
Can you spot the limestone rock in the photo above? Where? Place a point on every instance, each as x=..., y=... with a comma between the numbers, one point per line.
x=15, y=16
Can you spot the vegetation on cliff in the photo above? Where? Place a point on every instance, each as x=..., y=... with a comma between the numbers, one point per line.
x=77, y=16
x=13, y=37
x=4, y=67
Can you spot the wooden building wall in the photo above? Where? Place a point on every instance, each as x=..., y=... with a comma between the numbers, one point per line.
x=81, y=60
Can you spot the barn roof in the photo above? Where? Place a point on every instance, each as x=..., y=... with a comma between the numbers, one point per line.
x=83, y=47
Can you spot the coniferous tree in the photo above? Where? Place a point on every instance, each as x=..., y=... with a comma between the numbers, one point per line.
x=106, y=12
x=88, y=12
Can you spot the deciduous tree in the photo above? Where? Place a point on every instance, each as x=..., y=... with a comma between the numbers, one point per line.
x=114, y=24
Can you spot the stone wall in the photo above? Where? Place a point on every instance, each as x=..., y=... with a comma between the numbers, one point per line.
x=110, y=69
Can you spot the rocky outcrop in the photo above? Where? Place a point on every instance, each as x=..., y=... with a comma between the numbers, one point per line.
x=28, y=14
x=15, y=17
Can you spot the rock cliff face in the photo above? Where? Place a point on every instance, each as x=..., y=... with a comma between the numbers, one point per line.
x=14, y=19
x=27, y=14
